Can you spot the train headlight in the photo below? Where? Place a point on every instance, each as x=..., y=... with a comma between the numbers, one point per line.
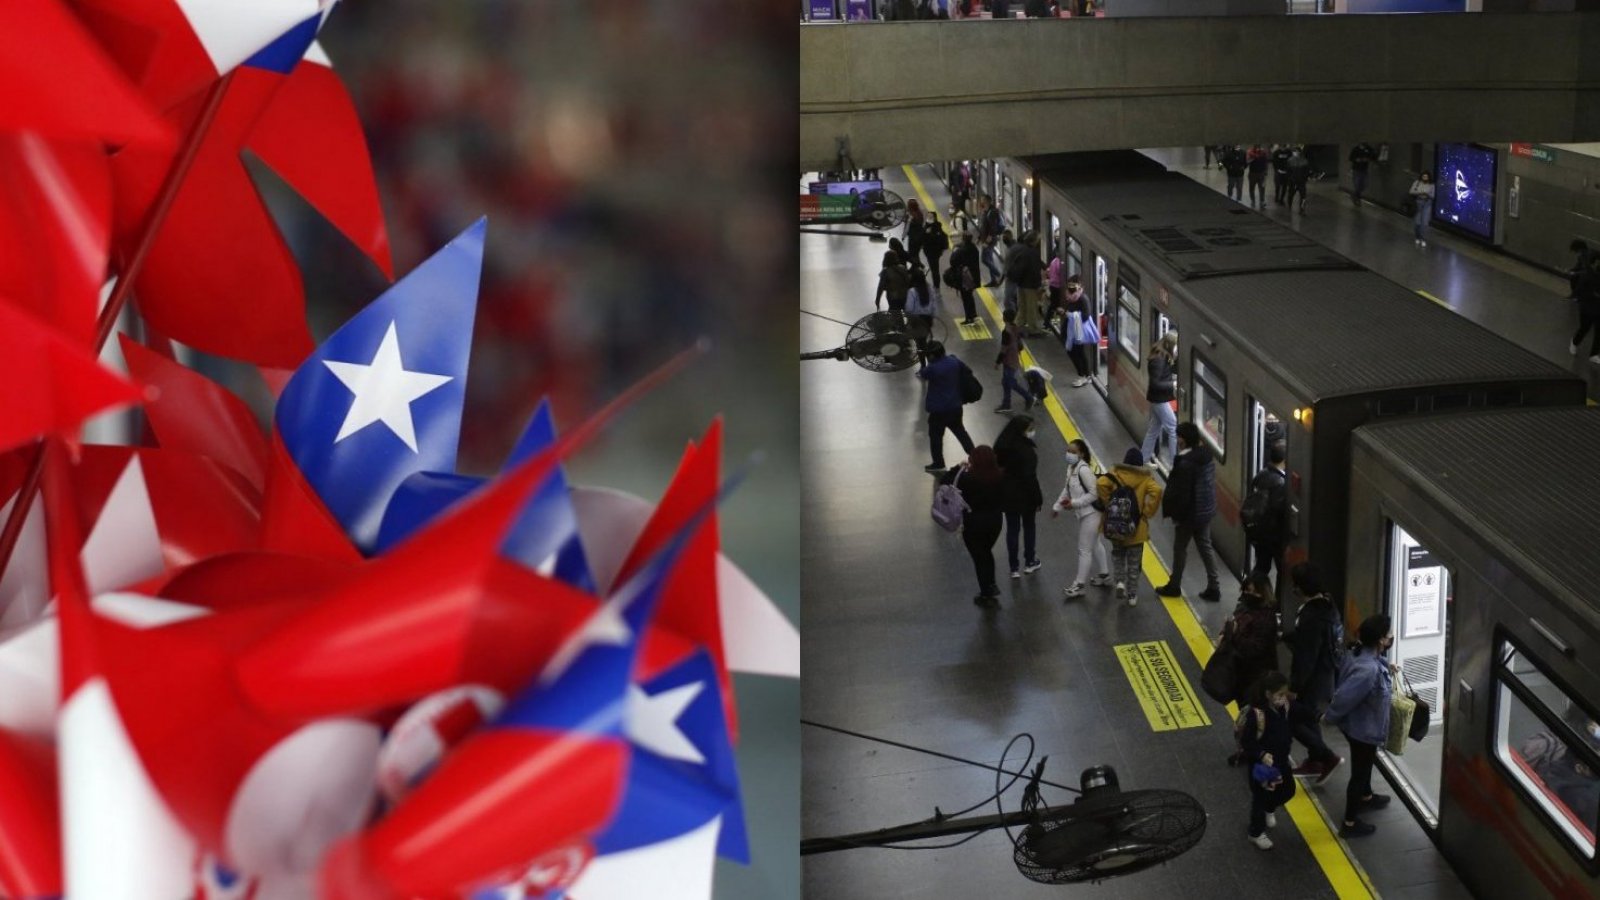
x=1303, y=415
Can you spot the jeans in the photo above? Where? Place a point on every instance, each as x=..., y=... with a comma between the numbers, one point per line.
x=1419, y=220
x=1011, y=380
x=1358, y=184
x=969, y=305
x=937, y=423
x=1201, y=535
x=1297, y=187
x=1263, y=801
x=935, y=274
x=979, y=534
x=1026, y=522
x=1588, y=318
x=991, y=261
x=1125, y=561
x=1258, y=190
x=1091, y=549
x=1162, y=421
x=1027, y=308
x=1235, y=186
x=1362, y=757
x=1008, y=298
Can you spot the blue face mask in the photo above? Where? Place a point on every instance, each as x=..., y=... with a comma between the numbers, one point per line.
x=1072, y=458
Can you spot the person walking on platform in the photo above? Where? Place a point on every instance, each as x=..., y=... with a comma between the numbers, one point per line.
x=1026, y=271
x=1008, y=260
x=1316, y=649
x=1053, y=282
x=1257, y=161
x=934, y=245
x=1018, y=457
x=1361, y=156
x=1080, y=495
x=1129, y=497
x=894, y=281
x=1299, y=176
x=1160, y=390
x=1421, y=194
x=1191, y=503
x=1264, y=734
x=990, y=225
x=965, y=261
x=1234, y=163
x=916, y=231
x=982, y=486
x=1360, y=709
x=1584, y=279
x=1265, y=515
x=1253, y=632
x=1280, y=172
x=1075, y=302
x=1009, y=362
x=943, y=403
x=922, y=305
x=960, y=186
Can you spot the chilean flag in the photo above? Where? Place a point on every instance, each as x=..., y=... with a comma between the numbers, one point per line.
x=381, y=399
x=545, y=537
x=548, y=772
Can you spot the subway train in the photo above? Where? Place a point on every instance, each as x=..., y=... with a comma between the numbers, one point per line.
x=1406, y=427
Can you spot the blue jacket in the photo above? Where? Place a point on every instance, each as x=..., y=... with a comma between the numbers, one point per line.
x=1191, y=497
x=1360, y=704
x=944, y=385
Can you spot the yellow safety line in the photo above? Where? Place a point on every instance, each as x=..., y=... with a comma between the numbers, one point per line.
x=1434, y=299
x=1344, y=873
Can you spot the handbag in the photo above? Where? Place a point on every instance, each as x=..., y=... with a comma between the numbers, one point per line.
x=1419, y=720
x=1091, y=332
x=1074, y=329
x=971, y=387
x=1220, y=678
x=1402, y=710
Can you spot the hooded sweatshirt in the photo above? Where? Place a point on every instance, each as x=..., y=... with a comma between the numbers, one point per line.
x=1144, y=485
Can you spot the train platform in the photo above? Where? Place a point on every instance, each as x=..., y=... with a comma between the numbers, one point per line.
x=896, y=649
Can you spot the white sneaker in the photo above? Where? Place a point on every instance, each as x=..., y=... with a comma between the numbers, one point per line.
x=1422, y=243
x=1122, y=590
x=1261, y=841
x=1572, y=349
x=1076, y=590
x=1595, y=359
x=1133, y=597
x=1100, y=580
x=1272, y=820
x=1016, y=573
x=1080, y=382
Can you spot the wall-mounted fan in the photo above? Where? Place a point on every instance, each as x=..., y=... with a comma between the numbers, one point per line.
x=881, y=342
x=880, y=210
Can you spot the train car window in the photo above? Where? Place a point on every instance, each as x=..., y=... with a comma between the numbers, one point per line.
x=1129, y=310
x=1074, y=257
x=1055, y=235
x=1549, y=745
x=1211, y=405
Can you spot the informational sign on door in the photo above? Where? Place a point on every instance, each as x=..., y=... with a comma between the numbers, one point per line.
x=1424, y=594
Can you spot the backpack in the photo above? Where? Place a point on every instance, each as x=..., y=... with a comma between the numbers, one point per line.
x=1238, y=731
x=1122, y=511
x=971, y=387
x=1256, y=513
x=952, y=276
x=949, y=507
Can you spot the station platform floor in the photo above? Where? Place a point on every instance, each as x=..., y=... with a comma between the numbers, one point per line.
x=895, y=648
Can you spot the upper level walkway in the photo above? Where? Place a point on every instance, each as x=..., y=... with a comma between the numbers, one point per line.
x=893, y=92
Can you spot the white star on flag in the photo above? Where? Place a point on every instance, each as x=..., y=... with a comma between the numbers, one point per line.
x=606, y=626
x=384, y=391
x=652, y=721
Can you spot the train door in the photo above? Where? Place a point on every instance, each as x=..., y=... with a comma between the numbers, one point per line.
x=1025, y=209
x=1417, y=599
x=1100, y=287
x=1266, y=429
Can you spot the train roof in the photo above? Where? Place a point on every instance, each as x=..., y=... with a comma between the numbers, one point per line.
x=1542, y=524
x=1327, y=326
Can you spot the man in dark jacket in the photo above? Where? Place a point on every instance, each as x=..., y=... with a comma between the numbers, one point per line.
x=1191, y=503
x=965, y=261
x=990, y=225
x=1280, y=172
x=1316, y=643
x=1027, y=273
x=1234, y=163
x=1361, y=157
x=943, y=403
x=1268, y=532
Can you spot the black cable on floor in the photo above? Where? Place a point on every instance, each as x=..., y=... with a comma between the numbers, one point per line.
x=959, y=759
x=829, y=318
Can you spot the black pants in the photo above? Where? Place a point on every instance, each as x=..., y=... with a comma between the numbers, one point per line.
x=1280, y=186
x=1258, y=189
x=1200, y=534
x=1588, y=317
x=937, y=423
x=979, y=534
x=1303, y=719
x=1268, y=556
x=1079, y=354
x=1024, y=522
x=1362, y=758
x=969, y=306
x=1296, y=187
x=1263, y=801
x=1358, y=184
x=934, y=272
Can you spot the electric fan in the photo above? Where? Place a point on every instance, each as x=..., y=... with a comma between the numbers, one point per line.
x=1107, y=832
x=881, y=342
x=880, y=210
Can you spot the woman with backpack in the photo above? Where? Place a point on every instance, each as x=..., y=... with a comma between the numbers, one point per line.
x=1129, y=496
x=1360, y=708
x=1264, y=735
x=982, y=486
x=1018, y=457
x=1080, y=495
x=964, y=261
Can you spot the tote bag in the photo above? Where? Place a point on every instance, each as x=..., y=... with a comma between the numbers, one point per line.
x=1402, y=709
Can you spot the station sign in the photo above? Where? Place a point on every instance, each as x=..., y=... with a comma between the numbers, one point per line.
x=1534, y=151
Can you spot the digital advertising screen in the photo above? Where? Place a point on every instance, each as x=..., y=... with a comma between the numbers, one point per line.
x=843, y=187
x=1464, y=175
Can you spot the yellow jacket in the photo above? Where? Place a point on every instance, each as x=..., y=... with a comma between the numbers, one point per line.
x=1144, y=484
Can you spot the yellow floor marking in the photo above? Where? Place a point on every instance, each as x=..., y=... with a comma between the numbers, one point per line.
x=977, y=331
x=1433, y=298
x=1344, y=873
x=1164, y=694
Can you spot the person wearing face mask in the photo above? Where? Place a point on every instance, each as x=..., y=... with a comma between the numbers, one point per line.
x=1076, y=303
x=1080, y=495
x=1360, y=709
x=1264, y=733
x=1019, y=461
x=1253, y=631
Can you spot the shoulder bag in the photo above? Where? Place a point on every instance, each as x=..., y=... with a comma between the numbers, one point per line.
x=1402, y=710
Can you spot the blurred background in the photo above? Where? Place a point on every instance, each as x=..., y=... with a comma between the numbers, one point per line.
x=636, y=164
